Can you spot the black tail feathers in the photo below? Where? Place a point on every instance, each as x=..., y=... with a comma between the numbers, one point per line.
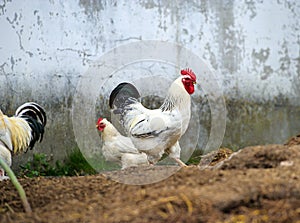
x=35, y=116
x=120, y=95
x=32, y=110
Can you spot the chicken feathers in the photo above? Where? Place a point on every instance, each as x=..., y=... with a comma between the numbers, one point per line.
x=20, y=132
x=36, y=118
x=156, y=131
x=118, y=148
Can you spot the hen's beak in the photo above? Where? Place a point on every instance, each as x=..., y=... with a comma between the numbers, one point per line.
x=97, y=126
x=194, y=82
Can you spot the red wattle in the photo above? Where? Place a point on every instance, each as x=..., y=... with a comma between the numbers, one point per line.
x=188, y=85
x=189, y=88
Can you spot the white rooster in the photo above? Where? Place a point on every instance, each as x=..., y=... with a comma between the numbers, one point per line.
x=118, y=148
x=157, y=131
x=21, y=132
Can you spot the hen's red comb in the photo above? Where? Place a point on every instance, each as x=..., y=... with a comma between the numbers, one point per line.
x=99, y=120
x=190, y=73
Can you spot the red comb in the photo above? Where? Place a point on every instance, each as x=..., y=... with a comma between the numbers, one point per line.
x=190, y=73
x=99, y=120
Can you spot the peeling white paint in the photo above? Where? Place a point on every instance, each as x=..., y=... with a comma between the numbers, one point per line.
x=63, y=37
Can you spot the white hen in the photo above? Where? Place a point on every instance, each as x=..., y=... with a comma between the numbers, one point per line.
x=118, y=148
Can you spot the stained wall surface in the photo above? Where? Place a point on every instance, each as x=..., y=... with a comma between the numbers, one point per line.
x=254, y=47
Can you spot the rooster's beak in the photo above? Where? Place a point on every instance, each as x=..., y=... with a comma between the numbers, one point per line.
x=194, y=82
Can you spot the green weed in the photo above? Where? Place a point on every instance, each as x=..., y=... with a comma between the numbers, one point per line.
x=40, y=165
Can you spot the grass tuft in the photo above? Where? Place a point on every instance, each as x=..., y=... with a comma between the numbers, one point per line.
x=74, y=165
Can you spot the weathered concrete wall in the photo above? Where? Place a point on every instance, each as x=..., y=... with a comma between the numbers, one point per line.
x=254, y=46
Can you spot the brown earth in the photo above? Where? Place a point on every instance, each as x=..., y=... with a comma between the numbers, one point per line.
x=256, y=184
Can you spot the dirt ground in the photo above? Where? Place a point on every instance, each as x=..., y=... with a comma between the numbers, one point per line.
x=256, y=184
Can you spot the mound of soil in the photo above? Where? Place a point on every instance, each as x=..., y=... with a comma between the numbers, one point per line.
x=295, y=140
x=256, y=184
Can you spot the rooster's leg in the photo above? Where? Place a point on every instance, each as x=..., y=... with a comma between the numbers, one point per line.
x=175, y=154
x=181, y=164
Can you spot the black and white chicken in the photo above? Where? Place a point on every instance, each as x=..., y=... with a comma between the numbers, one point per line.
x=156, y=131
